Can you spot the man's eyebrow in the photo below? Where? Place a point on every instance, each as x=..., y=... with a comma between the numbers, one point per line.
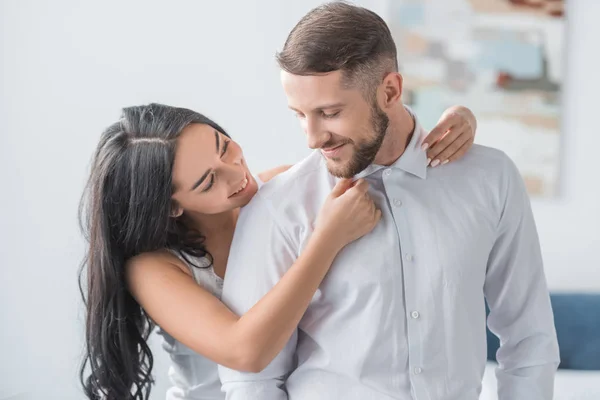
x=322, y=107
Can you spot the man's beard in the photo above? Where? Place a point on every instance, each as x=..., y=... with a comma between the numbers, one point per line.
x=365, y=152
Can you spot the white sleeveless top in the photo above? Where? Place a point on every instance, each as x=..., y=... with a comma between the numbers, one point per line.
x=193, y=376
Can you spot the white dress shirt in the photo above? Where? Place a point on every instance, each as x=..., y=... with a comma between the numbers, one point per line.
x=401, y=313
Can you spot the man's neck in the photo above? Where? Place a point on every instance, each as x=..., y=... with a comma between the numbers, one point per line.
x=397, y=138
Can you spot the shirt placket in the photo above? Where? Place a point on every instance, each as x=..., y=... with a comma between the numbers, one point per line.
x=412, y=315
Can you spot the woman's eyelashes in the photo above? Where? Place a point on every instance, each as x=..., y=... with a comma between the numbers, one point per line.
x=225, y=145
x=211, y=182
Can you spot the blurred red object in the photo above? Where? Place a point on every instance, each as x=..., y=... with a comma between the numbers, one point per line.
x=503, y=79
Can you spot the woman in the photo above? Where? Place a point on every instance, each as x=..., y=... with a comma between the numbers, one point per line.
x=161, y=212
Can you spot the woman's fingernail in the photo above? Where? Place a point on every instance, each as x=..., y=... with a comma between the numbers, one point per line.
x=435, y=163
x=425, y=146
x=428, y=161
x=445, y=162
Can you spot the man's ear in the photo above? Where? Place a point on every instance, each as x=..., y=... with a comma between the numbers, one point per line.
x=390, y=90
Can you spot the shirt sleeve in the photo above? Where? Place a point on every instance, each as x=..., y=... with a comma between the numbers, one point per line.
x=517, y=294
x=261, y=252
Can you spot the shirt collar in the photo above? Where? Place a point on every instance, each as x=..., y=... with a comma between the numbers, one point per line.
x=413, y=160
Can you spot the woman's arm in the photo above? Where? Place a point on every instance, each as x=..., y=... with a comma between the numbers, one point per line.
x=200, y=321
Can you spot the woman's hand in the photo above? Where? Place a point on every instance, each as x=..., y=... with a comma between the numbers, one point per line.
x=452, y=137
x=348, y=213
x=266, y=176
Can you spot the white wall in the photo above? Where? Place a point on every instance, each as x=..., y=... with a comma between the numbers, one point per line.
x=68, y=66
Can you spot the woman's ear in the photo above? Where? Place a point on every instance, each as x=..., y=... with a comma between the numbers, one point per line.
x=176, y=209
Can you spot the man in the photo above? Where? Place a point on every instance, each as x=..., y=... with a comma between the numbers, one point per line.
x=401, y=314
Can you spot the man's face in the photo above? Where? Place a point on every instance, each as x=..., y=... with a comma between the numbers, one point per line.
x=339, y=121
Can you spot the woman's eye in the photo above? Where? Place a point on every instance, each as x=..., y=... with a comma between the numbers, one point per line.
x=225, y=147
x=210, y=183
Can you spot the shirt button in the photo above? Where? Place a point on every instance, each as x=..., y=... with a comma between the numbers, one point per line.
x=397, y=202
x=415, y=314
x=417, y=371
x=408, y=257
x=387, y=172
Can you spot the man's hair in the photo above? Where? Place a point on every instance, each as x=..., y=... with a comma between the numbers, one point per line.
x=340, y=36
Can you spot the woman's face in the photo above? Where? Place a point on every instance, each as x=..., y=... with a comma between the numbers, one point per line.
x=210, y=174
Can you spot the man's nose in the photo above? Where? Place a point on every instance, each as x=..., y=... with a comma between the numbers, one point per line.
x=315, y=134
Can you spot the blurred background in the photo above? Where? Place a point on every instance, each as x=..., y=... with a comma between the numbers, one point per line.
x=67, y=67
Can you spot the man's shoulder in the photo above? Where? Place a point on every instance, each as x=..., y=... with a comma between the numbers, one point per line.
x=490, y=171
x=482, y=170
x=294, y=185
x=482, y=162
x=486, y=158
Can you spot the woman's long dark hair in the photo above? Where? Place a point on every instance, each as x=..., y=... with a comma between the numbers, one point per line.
x=125, y=211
